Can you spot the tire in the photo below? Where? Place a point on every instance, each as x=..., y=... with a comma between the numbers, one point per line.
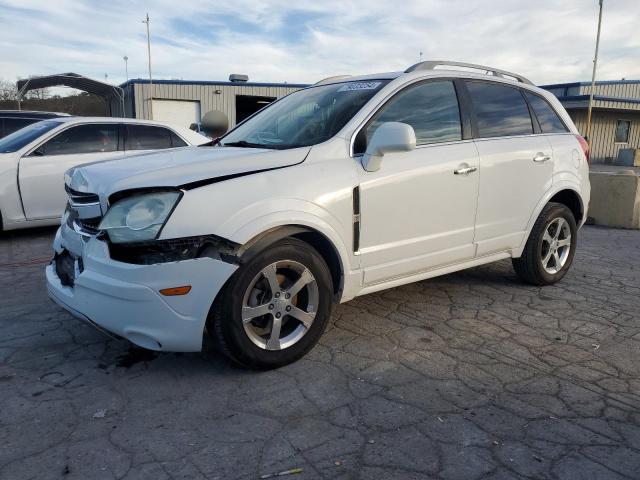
x=538, y=264
x=251, y=342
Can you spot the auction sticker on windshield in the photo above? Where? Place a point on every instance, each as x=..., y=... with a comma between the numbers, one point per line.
x=348, y=87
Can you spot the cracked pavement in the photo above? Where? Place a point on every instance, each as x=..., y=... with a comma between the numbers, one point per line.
x=468, y=376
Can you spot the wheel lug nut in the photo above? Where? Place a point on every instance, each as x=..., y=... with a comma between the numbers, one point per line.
x=271, y=306
x=288, y=309
x=287, y=295
x=277, y=295
x=278, y=315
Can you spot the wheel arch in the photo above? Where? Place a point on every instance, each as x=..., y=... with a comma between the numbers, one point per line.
x=318, y=240
x=570, y=198
x=563, y=193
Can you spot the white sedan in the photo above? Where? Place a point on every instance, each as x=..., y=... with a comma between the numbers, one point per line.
x=33, y=160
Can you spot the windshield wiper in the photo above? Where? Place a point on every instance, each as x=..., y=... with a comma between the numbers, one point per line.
x=245, y=144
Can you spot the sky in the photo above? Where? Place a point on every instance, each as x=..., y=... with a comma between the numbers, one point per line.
x=548, y=41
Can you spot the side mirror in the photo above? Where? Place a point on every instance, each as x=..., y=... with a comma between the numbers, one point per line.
x=389, y=137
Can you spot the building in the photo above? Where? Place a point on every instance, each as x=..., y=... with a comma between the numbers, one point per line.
x=184, y=102
x=615, y=119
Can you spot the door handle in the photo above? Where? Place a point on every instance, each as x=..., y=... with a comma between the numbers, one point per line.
x=465, y=170
x=541, y=157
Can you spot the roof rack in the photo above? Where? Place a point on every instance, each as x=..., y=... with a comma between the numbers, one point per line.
x=335, y=78
x=432, y=64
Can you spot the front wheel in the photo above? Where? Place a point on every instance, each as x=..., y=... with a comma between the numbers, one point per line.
x=274, y=308
x=550, y=248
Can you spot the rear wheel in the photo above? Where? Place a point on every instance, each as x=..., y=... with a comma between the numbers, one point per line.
x=550, y=248
x=274, y=308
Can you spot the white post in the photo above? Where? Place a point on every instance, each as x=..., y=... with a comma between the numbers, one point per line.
x=587, y=132
x=150, y=79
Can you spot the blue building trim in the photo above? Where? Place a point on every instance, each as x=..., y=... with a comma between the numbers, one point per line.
x=587, y=84
x=207, y=82
x=578, y=98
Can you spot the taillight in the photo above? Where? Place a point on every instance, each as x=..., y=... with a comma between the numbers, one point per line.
x=585, y=147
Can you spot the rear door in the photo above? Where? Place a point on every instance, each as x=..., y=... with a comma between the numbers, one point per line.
x=41, y=172
x=143, y=138
x=516, y=165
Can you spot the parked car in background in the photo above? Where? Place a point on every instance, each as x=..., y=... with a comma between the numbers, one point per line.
x=33, y=160
x=344, y=188
x=13, y=120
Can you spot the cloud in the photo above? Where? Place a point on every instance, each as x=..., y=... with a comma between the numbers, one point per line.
x=548, y=40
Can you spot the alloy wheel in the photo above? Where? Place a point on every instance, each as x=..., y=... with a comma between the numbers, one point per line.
x=279, y=305
x=556, y=244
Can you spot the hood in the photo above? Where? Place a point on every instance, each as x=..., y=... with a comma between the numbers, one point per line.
x=185, y=167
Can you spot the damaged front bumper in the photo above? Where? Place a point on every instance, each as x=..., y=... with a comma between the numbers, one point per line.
x=125, y=299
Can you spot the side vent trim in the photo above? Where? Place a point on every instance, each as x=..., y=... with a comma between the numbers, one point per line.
x=356, y=219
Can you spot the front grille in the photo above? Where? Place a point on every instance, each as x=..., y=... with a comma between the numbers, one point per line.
x=80, y=204
x=81, y=198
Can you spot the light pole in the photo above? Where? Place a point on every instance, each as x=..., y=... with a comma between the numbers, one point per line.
x=126, y=67
x=147, y=21
x=587, y=132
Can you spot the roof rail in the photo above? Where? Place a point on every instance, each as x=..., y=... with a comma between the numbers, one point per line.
x=335, y=78
x=432, y=64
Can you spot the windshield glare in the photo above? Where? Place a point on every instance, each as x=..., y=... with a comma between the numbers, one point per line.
x=26, y=135
x=304, y=118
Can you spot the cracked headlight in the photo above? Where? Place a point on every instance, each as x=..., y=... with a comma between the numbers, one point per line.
x=140, y=217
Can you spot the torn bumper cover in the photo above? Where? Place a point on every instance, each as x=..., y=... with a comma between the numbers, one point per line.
x=124, y=298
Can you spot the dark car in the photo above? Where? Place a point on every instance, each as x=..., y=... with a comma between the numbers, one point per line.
x=12, y=120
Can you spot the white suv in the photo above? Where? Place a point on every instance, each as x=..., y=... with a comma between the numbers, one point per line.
x=350, y=186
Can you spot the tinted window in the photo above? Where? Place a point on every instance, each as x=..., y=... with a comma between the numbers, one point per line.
x=91, y=138
x=622, y=131
x=26, y=135
x=14, y=124
x=148, y=137
x=546, y=115
x=176, y=141
x=500, y=110
x=431, y=108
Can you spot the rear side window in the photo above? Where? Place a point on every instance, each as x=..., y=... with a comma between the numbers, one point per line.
x=148, y=137
x=91, y=138
x=431, y=108
x=14, y=124
x=547, y=117
x=501, y=111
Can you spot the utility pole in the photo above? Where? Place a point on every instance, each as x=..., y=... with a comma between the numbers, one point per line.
x=126, y=67
x=150, y=79
x=420, y=56
x=587, y=132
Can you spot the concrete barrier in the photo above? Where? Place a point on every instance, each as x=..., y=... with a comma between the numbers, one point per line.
x=615, y=197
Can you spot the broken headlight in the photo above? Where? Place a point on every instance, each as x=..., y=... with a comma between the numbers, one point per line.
x=140, y=217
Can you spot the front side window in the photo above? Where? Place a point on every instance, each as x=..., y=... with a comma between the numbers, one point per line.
x=91, y=138
x=547, y=117
x=23, y=137
x=622, y=131
x=501, y=111
x=304, y=118
x=431, y=108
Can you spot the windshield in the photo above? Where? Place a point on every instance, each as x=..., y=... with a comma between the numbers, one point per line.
x=303, y=118
x=26, y=135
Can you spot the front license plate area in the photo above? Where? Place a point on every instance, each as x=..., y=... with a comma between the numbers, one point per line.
x=65, y=265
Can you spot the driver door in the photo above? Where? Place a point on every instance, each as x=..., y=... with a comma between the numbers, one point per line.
x=418, y=211
x=41, y=173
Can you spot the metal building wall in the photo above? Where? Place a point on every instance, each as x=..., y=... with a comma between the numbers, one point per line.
x=603, y=130
x=224, y=101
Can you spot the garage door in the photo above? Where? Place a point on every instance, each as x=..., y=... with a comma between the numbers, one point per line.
x=176, y=112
